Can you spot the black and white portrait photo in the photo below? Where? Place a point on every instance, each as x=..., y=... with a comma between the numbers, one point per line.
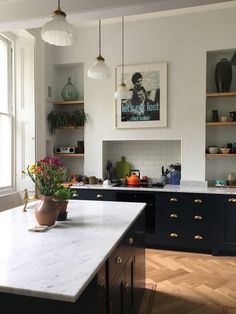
x=146, y=106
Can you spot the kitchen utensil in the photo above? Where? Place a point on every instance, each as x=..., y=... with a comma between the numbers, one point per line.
x=133, y=179
x=122, y=168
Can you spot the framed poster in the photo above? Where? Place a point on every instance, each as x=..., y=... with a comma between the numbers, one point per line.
x=147, y=105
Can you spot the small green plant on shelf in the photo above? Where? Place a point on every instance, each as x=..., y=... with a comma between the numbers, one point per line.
x=59, y=119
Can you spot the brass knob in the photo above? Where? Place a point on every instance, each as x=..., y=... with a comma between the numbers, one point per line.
x=174, y=216
x=232, y=200
x=119, y=260
x=173, y=199
x=197, y=200
x=174, y=235
x=100, y=196
x=198, y=217
x=131, y=241
x=198, y=237
x=126, y=286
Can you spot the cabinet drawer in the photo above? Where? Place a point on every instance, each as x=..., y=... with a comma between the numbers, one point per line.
x=121, y=254
x=199, y=238
x=80, y=194
x=102, y=195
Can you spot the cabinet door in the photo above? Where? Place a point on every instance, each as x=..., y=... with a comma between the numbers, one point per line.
x=102, y=195
x=116, y=292
x=80, y=194
x=128, y=300
x=228, y=224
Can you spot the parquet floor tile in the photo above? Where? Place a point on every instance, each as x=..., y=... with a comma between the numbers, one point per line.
x=190, y=283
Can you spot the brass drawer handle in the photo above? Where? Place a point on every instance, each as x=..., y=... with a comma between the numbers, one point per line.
x=174, y=235
x=131, y=241
x=126, y=286
x=173, y=199
x=174, y=216
x=119, y=260
x=197, y=200
x=198, y=237
x=232, y=200
x=100, y=196
x=198, y=217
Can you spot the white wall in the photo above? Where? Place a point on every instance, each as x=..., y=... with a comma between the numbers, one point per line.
x=181, y=41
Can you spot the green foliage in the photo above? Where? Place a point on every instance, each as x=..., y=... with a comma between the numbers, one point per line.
x=63, y=194
x=59, y=119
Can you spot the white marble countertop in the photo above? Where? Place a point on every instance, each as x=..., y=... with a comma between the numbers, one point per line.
x=166, y=188
x=60, y=262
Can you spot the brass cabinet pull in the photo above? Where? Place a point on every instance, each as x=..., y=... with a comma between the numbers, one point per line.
x=198, y=217
x=198, y=237
x=197, y=200
x=174, y=235
x=174, y=216
x=232, y=200
x=126, y=286
x=131, y=241
x=173, y=199
x=100, y=196
x=119, y=260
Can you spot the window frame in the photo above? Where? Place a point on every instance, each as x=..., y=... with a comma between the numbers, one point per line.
x=11, y=112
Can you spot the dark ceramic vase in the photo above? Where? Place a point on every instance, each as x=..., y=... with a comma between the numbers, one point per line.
x=62, y=210
x=46, y=213
x=223, y=75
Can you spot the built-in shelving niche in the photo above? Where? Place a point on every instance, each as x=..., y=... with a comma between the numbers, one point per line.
x=218, y=167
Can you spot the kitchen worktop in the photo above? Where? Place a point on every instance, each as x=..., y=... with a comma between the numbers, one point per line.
x=166, y=188
x=59, y=263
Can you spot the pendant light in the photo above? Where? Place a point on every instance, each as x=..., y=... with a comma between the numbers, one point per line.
x=58, y=31
x=122, y=91
x=99, y=70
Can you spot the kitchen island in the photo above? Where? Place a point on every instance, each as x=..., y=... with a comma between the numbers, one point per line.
x=71, y=267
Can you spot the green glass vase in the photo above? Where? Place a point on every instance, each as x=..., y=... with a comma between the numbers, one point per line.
x=69, y=91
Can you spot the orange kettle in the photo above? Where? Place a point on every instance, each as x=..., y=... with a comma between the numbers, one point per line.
x=133, y=179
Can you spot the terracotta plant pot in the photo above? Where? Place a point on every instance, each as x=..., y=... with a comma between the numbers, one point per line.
x=62, y=210
x=46, y=213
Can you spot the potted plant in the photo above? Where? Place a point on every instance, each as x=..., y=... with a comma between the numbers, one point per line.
x=47, y=174
x=61, y=197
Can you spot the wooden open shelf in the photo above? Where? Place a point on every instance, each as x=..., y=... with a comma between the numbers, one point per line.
x=63, y=102
x=220, y=155
x=70, y=127
x=69, y=155
x=227, y=123
x=228, y=94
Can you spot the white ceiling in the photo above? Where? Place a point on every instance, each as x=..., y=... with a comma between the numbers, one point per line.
x=19, y=14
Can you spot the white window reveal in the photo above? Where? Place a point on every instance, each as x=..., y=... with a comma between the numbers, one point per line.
x=6, y=117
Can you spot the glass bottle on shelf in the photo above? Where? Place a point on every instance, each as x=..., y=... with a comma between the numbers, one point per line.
x=215, y=116
x=69, y=91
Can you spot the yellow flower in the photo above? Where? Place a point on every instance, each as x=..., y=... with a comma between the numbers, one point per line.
x=32, y=169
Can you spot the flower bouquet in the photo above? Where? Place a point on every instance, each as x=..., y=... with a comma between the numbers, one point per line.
x=47, y=174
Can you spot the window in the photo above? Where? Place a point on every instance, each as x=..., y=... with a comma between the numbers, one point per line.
x=6, y=116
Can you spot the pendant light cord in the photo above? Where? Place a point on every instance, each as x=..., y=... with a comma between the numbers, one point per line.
x=122, y=50
x=99, y=38
x=59, y=4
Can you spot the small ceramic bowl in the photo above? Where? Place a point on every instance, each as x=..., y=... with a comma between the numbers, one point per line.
x=213, y=149
x=224, y=150
x=220, y=182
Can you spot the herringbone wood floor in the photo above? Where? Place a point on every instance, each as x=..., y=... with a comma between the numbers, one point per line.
x=190, y=283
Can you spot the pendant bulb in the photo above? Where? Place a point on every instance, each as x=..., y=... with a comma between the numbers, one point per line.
x=58, y=31
x=99, y=70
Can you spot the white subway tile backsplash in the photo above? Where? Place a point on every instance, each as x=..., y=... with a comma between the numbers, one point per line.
x=147, y=156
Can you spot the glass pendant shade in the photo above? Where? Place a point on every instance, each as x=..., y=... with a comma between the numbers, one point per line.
x=99, y=70
x=122, y=92
x=58, y=31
